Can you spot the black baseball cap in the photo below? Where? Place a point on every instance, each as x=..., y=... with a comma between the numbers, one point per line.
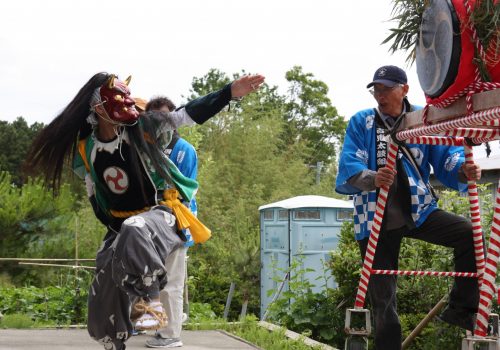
x=388, y=76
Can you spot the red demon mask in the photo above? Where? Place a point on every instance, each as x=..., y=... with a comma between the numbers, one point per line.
x=117, y=102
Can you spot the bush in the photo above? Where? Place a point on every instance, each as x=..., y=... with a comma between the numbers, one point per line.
x=59, y=305
x=316, y=315
x=201, y=312
x=435, y=336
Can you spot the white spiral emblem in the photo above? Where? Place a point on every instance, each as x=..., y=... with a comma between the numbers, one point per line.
x=116, y=179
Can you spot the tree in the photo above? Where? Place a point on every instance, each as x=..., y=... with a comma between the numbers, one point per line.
x=15, y=139
x=244, y=163
x=36, y=224
x=311, y=117
x=242, y=169
x=212, y=81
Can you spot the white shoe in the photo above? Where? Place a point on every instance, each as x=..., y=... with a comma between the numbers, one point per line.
x=160, y=342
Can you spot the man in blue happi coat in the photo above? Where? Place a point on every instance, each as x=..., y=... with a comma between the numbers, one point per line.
x=411, y=209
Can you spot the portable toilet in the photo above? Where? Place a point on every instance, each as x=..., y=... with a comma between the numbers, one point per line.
x=305, y=226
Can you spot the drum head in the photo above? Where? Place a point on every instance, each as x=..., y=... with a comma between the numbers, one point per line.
x=438, y=48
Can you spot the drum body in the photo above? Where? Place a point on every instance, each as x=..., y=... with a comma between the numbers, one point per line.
x=445, y=51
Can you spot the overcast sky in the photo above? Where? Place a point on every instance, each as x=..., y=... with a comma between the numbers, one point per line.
x=50, y=48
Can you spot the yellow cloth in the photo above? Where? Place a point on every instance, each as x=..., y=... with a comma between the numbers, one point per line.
x=185, y=218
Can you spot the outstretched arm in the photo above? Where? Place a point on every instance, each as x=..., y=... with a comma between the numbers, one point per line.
x=205, y=107
x=246, y=84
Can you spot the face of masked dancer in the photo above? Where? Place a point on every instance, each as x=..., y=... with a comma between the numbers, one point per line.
x=117, y=102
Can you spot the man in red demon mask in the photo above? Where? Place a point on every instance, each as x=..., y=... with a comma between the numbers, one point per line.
x=119, y=107
x=134, y=188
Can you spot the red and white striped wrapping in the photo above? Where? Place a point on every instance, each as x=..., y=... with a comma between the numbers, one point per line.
x=462, y=122
x=487, y=288
x=478, y=141
x=471, y=132
x=475, y=215
x=375, y=231
x=449, y=141
x=495, y=122
x=425, y=273
x=436, y=140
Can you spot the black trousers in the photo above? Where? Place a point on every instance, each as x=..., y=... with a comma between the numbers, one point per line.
x=440, y=228
x=129, y=264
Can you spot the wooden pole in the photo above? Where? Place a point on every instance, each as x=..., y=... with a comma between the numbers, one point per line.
x=77, y=282
x=76, y=249
x=228, y=301
x=59, y=265
x=37, y=259
x=276, y=295
x=435, y=310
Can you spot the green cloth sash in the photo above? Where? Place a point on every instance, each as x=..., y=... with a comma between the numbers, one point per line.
x=186, y=186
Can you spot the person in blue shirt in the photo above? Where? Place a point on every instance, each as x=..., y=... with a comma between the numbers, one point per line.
x=411, y=209
x=184, y=156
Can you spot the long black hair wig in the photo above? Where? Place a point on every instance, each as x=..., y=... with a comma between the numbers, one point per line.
x=57, y=143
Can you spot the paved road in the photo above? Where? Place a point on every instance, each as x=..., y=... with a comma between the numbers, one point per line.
x=29, y=339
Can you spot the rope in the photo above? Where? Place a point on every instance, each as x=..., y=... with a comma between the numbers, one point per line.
x=425, y=273
x=149, y=313
x=123, y=214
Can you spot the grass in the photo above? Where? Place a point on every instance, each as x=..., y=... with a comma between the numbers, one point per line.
x=17, y=321
x=22, y=321
x=251, y=332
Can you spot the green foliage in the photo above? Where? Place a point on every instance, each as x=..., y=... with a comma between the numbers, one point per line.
x=454, y=202
x=29, y=212
x=15, y=139
x=317, y=315
x=269, y=340
x=435, y=336
x=311, y=118
x=200, y=312
x=57, y=304
x=345, y=262
x=311, y=126
x=252, y=332
x=244, y=163
x=457, y=203
x=36, y=224
x=212, y=81
x=408, y=15
x=485, y=17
